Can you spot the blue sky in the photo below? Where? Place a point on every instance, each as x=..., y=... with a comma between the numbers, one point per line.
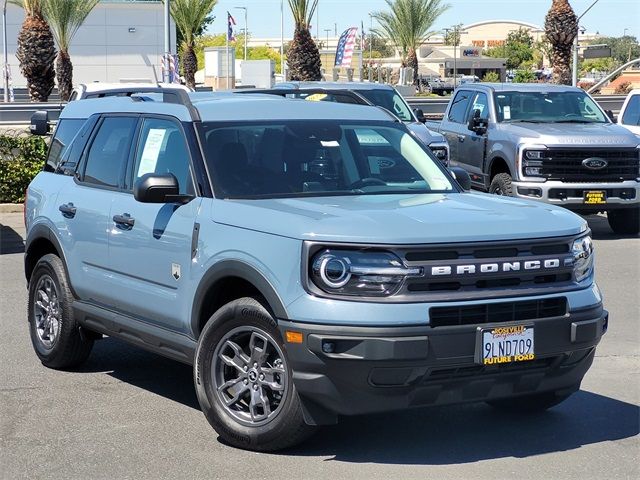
x=608, y=17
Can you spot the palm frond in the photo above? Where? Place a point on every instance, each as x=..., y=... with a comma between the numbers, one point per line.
x=30, y=7
x=189, y=15
x=65, y=17
x=302, y=11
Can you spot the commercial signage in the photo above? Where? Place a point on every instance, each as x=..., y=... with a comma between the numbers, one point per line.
x=470, y=51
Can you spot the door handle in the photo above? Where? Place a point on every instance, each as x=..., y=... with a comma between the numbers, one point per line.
x=461, y=138
x=125, y=220
x=68, y=210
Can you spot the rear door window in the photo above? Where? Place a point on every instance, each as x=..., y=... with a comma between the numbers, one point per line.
x=109, y=151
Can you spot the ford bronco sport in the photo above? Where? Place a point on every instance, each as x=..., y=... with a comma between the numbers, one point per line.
x=202, y=229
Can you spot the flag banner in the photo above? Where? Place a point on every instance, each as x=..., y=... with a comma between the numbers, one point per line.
x=346, y=45
x=231, y=22
x=362, y=35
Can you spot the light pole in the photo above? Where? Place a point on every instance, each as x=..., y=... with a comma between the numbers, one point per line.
x=327, y=30
x=624, y=32
x=284, y=78
x=246, y=30
x=5, y=66
x=574, y=70
x=167, y=42
x=370, y=36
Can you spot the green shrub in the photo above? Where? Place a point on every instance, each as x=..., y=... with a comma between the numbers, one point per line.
x=21, y=158
x=524, y=76
x=491, y=77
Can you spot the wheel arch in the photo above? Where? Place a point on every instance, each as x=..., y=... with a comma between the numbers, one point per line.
x=227, y=281
x=498, y=165
x=40, y=241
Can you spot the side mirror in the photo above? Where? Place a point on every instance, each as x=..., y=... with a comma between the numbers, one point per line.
x=40, y=123
x=477, y=124
x=611, y=116
x=419, y=115
x=158, y=188
x=462, y=177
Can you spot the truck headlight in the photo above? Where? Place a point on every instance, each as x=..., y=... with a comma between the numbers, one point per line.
x=441, y=152
x=362, y=273
x=532, y=163
x=582, y=250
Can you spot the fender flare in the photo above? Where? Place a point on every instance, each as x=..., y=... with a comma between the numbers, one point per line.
x=240, y=269
x=38, y=232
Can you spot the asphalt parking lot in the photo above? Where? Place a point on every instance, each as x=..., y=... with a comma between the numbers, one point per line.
x=132, y=414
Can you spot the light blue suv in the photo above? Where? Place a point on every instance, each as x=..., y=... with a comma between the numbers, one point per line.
x=310, y=259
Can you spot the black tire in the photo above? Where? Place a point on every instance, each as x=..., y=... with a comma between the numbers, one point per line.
x=69, y=347
x=530, y=403
x=625, y=221
x=501, y=185
x=287, y=427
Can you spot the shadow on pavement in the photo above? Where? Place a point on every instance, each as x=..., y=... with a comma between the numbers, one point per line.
x=433, y=436
x=600, y=229
x=10, y=241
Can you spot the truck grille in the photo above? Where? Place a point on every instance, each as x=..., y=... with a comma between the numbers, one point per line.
x=566, y=164
x=497, y=312
x=501, y=269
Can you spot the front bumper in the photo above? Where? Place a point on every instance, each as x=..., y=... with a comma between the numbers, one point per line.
x=370, y=369
x=571, y=195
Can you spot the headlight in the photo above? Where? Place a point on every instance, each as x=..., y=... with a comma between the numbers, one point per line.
x=532, y=163
x=582, y=250
x=363, y=273
x=441, y=152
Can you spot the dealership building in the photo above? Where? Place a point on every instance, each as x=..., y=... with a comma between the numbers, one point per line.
x=119, y=41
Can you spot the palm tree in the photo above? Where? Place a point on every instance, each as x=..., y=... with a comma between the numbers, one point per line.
x=36, y=50
x=303, y=56
x=407, y=25
x=560, y=29
x=189, y=16
x=65, y=17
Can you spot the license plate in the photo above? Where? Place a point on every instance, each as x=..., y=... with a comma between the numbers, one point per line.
x=505, y=344
x=595, y=197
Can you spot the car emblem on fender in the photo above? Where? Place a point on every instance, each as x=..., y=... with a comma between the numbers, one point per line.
x=595, y=163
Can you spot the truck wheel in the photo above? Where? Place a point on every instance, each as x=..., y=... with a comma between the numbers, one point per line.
x=501, y=185
x=56, y=337
x=625, y=221
x=529, y=403
x=244, y=381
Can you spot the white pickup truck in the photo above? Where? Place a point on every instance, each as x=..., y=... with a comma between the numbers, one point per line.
x=630, y=114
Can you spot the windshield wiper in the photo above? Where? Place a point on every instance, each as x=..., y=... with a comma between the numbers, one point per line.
x=573, y=120
x=522, y=120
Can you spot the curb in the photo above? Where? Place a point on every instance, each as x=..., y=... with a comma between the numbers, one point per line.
x=10, y=208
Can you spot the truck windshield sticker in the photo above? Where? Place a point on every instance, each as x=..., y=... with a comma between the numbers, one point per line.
x=151, y=151
x=506, y=110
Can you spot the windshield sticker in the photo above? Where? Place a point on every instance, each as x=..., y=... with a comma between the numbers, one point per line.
x=316, y=97
x=506, y=110
x=151, y=151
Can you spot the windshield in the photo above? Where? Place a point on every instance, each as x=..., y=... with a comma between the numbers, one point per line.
x=632, y=111
x=391, y=100
x=318, y=158
x=547, y=107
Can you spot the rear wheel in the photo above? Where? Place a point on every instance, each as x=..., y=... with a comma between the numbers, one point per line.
x=501, y=185
x=530, y=403
x=57, y=338
x=244, y=381
x=625, y=221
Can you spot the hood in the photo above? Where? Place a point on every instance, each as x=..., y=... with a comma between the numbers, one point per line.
x=401, y=219
x=565, y=134
x=424, y=134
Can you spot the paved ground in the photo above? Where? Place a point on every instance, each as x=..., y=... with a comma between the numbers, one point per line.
x=131, y=414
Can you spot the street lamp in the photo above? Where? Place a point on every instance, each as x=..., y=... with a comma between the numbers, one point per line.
x=5, y=66
x=284, y=78
x=166, y=74
x=574, y=70
x=246, y=30
x=624, y=32
x=327, y=30
x=370, y=36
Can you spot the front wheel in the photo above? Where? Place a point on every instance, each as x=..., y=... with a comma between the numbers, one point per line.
x=244, y=381
x=625, y=221
x=501, y=185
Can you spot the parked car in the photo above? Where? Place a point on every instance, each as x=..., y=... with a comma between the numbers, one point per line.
x=309, y=259
x=629, y=116
x=376, y=94
x=545, y=142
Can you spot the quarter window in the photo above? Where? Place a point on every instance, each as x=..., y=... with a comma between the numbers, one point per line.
x=109, y=151
x=65, y=132
x=632, y=111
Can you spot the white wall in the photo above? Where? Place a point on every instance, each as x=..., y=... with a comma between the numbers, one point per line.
x=103, y=49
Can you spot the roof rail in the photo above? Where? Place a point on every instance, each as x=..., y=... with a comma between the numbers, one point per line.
x=284, y=91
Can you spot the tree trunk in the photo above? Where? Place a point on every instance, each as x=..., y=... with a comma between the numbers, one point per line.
x=36, y=53
x=412, y=62
x=64, y=75
x=303, y=57
x=561, y=28
x=189, y=66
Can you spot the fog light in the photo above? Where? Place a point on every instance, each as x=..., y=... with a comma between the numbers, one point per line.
x=328, y=347
x=531, y=171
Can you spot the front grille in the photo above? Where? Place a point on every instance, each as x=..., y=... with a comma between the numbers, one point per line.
x=476, y=371
x=501, y=280
x=497, y=312
x=565, y=164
